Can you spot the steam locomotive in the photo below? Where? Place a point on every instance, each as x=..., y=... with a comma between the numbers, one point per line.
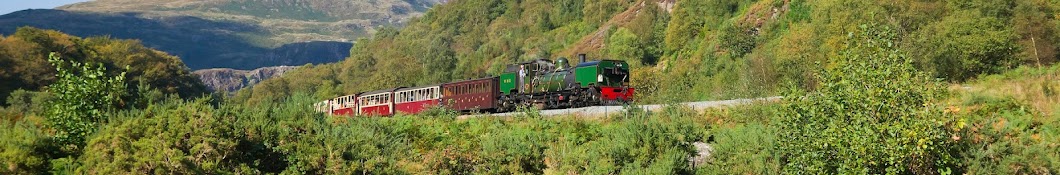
x=541, y=83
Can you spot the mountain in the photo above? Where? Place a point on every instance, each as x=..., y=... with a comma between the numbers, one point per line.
x=231, y=80
x=229, y=33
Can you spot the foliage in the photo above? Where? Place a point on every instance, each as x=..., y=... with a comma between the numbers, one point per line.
x=743, y=149
x=24, y=56
x=982, y=44
x=83, y=97
x=21, y=146
x=874, y=113
x=28, y=102
x=174, y=138
x=1008, y=137
x=869, y=111
x=624, y=45
x=738, y=40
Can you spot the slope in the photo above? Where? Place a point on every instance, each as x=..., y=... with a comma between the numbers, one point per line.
x=24, y=55
x=688, y=49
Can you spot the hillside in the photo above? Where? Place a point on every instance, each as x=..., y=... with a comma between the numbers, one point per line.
x=24, y=58
x=688, y=50
x=229, y=33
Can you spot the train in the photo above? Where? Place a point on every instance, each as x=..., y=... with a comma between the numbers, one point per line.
x=540, y=83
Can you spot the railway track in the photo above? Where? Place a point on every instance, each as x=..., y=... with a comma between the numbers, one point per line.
x=607, y=110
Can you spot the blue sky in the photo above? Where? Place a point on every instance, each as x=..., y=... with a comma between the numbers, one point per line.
x=8, y=6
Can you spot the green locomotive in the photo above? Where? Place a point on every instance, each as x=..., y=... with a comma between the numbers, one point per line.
x=548, y=84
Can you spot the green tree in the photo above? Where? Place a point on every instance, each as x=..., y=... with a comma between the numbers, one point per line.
x=974, y=39
x=873, y=114
x=83, y=97
x=624, y=45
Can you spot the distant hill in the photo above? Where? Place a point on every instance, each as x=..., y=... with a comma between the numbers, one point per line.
x=229, y=33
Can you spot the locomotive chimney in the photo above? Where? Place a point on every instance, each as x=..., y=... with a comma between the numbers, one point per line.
x=581, y=58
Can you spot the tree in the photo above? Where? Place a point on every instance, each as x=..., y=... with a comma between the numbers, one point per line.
x=624, y=45
x=83, y=97
x=873, y=114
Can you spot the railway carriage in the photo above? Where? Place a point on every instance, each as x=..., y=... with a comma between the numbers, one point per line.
x=415, y=100
x=345, y=105
x=471, y=95
x=376, y=103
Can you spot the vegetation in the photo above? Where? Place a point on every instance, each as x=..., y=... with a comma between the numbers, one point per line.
x=862, y=94
x=873, y=114
x=26, y=64
x=83, y=95
x=710, y=49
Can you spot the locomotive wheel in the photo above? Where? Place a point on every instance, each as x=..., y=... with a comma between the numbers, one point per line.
x=506, y=103
x=551, y=102
x=592, y=96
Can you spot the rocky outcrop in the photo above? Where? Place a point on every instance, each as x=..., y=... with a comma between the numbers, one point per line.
x=231, y=80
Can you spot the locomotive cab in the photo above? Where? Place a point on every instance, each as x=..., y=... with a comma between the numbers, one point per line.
x=608, y=80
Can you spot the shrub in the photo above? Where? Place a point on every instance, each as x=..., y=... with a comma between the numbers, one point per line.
x=742, y=149
x=27, y=102
x=1006, y=136
x=177, y=138
x=635, y=143
x=20, y=144
x=873, y=113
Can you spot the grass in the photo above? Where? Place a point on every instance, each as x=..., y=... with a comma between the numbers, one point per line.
x=1037, y=87
x=1012, y=119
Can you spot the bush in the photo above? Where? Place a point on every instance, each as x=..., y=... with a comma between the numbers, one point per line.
x=177, y=138
x=742, y=149
x=1006, y=136
x=966, y=44
x=634, y=144
x=873, y=113
x=28, y=102
x=20, y=148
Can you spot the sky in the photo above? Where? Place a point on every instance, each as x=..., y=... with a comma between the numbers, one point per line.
x=8, y=6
